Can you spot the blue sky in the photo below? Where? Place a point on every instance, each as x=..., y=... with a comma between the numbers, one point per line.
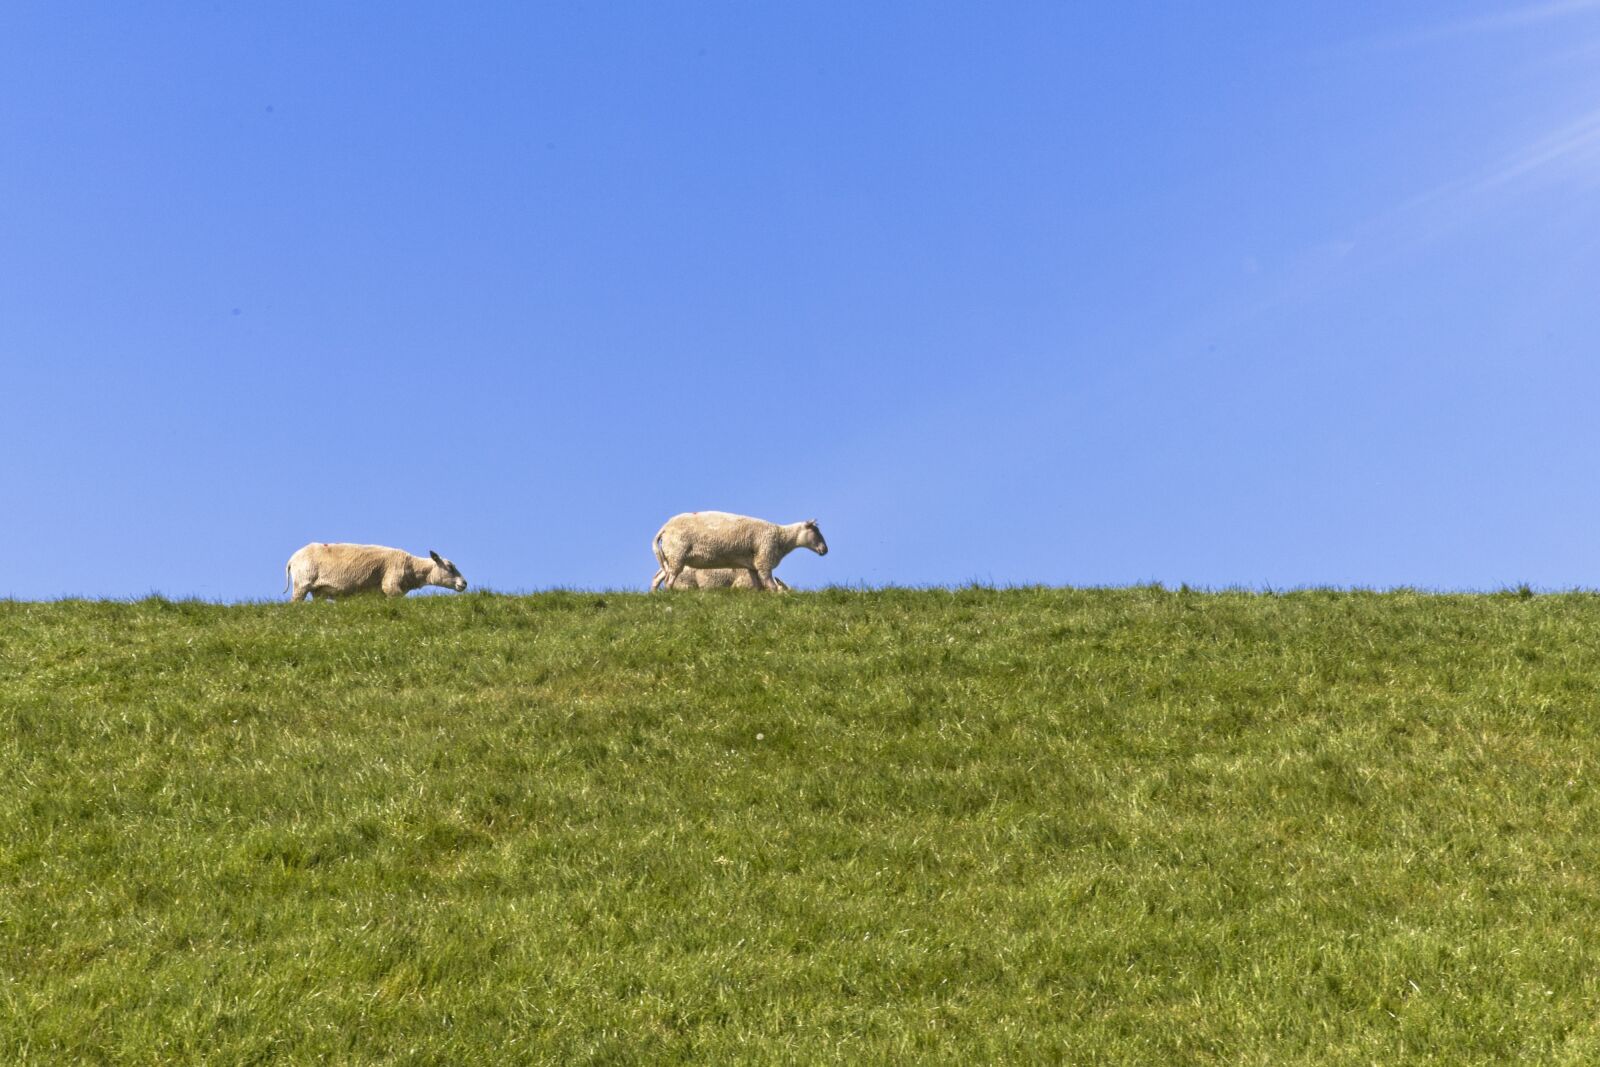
x=1084, y=294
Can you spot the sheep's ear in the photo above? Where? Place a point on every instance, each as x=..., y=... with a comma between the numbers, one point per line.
x=436, y=557
x=811, y=523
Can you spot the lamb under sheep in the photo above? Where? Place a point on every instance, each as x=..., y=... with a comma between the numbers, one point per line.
x=716, y=539
x=717, y=578
x=326, y=571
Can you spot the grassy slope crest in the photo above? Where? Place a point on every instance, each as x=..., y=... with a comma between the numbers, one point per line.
x=1097, y=826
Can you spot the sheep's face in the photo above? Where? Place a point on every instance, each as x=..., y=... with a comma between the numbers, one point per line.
x=445, y=574
x=811, y=537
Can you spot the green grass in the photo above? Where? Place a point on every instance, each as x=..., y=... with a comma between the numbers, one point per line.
x=1099, y=826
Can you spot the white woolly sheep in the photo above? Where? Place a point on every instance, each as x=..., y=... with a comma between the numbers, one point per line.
x=325, y=571
x=706, y=539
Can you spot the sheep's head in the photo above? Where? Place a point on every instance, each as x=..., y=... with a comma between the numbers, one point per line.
x=811, y=537
x=445, y=574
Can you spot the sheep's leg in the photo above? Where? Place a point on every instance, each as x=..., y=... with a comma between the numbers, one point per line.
x=661, y=576
x=393, y=587
x=762, y=565
x=672, y=573
x=779, y=585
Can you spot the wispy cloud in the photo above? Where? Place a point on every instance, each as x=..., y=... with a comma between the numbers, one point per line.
x=1568, y=152
x=1572, y=151
x=1522, y=17
x=1526, y=17
x=1568, y=156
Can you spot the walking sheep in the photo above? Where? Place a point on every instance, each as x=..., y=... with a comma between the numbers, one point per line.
x=717, y=578
x=705, y=539
x=325, y=571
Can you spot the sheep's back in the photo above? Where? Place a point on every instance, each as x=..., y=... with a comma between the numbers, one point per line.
x=710, y=539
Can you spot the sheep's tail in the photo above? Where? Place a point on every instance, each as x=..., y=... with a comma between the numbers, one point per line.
x=661, y=560
x=287, y=581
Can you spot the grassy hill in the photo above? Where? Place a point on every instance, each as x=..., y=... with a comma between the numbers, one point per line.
x=1099, y=826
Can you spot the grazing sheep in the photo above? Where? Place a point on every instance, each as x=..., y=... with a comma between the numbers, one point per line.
x=707, y=539
x=717, y=578
x=325, y=571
